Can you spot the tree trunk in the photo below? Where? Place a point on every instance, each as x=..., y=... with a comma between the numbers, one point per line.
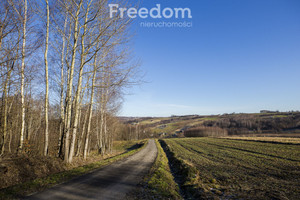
x=102, y=146
x=70, y=87
x=62, y=105
x=79, y=88
x=5, y=109
x=86, y=144
x=20, y=147
x=47, y=84
x=80, y=139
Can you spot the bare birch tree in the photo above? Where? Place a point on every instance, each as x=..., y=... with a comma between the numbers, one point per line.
x=70, y=79
x=46, y=80
x=88, y=76
x=23, y=19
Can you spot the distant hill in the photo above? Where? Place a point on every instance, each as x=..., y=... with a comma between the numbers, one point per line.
x=286, y=123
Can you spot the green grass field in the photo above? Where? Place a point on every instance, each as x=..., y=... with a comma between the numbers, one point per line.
x=238, y=169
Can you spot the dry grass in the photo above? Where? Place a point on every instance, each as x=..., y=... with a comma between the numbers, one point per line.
x=268, y=139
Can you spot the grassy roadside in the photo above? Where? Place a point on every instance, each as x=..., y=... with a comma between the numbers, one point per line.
x=21, y=190
x=159, y=183
x=160, y=179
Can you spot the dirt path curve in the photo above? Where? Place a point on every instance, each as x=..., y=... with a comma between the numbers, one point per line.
x=111, y=182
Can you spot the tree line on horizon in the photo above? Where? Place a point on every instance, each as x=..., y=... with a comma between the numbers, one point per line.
x=64, y=65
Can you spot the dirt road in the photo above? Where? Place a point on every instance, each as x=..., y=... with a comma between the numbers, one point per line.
x=111, y=182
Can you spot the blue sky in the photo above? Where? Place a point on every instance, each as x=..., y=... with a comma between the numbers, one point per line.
x=239, y=56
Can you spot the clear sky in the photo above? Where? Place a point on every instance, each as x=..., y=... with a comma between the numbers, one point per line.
x=239, y=56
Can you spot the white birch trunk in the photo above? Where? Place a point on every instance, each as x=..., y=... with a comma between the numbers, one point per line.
x=86, y=144
x=77, y=96
x=20, y=148
x=47, y=82
x=70, y=86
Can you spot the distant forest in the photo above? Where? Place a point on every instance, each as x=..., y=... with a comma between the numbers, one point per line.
x=243, y=124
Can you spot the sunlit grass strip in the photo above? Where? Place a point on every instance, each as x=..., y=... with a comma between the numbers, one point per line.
x=268, y=139
x=160, y=179
x=21, y=190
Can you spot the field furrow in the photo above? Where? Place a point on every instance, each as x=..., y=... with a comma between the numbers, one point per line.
x=242, y=169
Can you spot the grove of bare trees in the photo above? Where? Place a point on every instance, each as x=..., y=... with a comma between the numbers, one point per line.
x=64, y=65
